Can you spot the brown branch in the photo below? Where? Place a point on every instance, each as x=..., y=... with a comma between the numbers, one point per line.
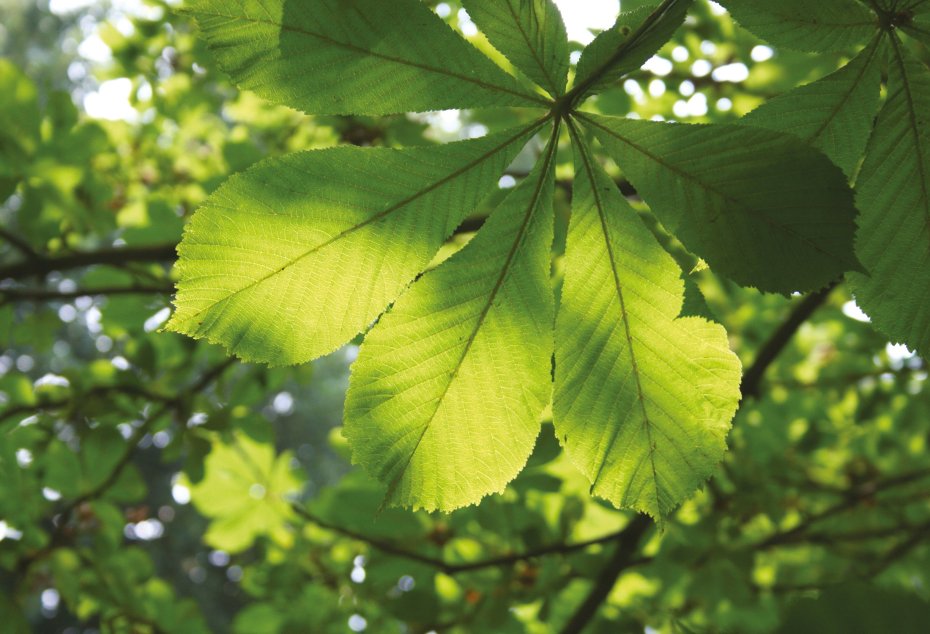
x=450, y=568
x=623, y=558
x=900, y=550
x=50, y=294
x=19, y=244
x=65, y=512
x=779, y=340
x=116, y=256
x=857, y=495
x=16, y=410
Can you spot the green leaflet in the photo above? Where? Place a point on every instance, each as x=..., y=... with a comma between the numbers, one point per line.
x=352, y=56
x=759, y=206
x=625, y=46
x=893, y=194
x=821, y=26
x=445, y=397
x=643, y=400
x=297, y=255
x=833, y=114
x=530, y=33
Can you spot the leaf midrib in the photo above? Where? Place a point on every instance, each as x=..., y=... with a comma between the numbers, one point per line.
x=835, y=111
x=532, y=49
x=518, y=239
x=375, y=218
x=912, y=120
x=647, y=424
x=365, y=51
x=737, y=204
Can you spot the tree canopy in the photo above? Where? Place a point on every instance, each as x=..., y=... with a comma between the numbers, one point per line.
x=422, y=316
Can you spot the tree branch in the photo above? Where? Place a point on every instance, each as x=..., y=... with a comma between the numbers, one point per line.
x=50, y=294
x=168, y=404
x=623, y=558
x=19, y=244
x=116, y=256
x=449, y=568
x=779, y=340
x=856, y=495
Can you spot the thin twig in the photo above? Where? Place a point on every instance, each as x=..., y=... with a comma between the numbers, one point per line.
x=623, y=558
x=19, y=244
x=64, y=513
x=450, y=568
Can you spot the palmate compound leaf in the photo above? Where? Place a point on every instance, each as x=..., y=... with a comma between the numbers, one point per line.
x=445, y=397
x=759, y=206
x=530, y=33
x=625, y=46
x=893, y=194
x=446, y=394
x=816, y=26
x=643, y=399
x=295, y=256
x=352, y=56
x=833, y=114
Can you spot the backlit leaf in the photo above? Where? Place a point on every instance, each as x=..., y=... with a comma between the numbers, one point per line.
x=352, y=56
x=294, y=257
x=530, y=33
x=445, y=397
x=643, y=399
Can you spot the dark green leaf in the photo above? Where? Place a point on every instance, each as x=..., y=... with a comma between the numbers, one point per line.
x=352, y=57
x=759, y=206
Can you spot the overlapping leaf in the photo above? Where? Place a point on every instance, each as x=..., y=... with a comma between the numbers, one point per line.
x=893, y=193
x=624, y=47
x=530, y=33
x=821, y=26
x=918, y=25
x=833, y=114
x=445, y=398
x=360, y=56
x=294, y=257
x=761, y=207
x=643, y=400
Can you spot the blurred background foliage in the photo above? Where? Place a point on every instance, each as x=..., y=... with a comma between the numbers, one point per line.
x=149, y=484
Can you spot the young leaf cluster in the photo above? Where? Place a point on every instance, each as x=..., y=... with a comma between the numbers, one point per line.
x=297, y=255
